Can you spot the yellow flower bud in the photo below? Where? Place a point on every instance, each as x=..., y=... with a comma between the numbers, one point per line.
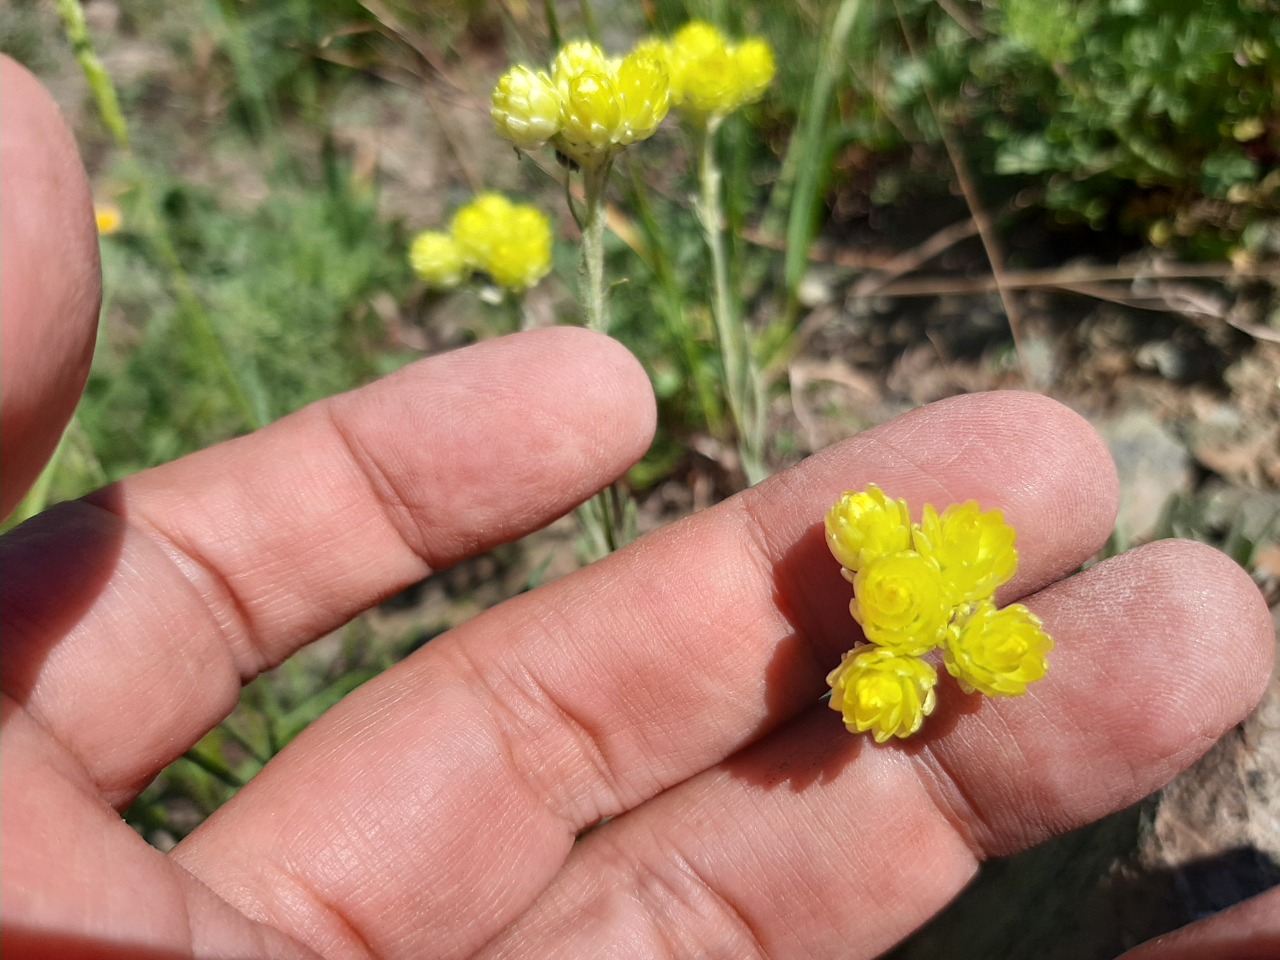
x=520, y=253
x=655, y=48
x=899, y=602
x=526, y=108
x=882, y=691
x=437, y=259
x=702, y=58
x=591, y=121
x=974, y=550
x=711, y=77
x=575, y=59
x=644, y=96
x=865, y=525
x=754, y=68
x=479, y=225
x=997, y=652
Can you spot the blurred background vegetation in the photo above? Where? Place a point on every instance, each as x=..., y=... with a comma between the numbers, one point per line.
x=1077, y=196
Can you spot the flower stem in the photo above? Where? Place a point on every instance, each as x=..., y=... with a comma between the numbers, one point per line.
x=593, y=302
x=742, y=378
x=608, y=518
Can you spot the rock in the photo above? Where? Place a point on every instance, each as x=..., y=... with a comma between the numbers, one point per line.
x=1152, y=464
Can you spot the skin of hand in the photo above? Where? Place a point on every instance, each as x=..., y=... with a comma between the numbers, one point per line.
x=443, y=808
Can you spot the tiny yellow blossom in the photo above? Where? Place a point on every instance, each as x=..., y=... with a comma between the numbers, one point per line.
x=882, y=691
x=521, y=256
x=709, y=76
x=479, y=225
x=437, y=259
x=108, y=217
x=755, y=68
x=867, y=524
x=644, y=96
x=573, y=60
x=590, y=106
x=591, y=121
x=526, y=108
x=974, y=549
x=899, y=602
x=998, y=652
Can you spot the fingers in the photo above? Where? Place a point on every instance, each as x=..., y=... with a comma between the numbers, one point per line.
x=590, y=696
x=50, y=285
x=813, y=844
x=1247, y=931
x=132, y=619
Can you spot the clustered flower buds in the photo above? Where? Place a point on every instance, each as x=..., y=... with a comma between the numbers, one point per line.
x=510, y=242
x=920, y=588
x=588, y=107
x=711, y=77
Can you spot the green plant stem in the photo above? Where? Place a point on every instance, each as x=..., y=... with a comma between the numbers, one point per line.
x=594, y=179
x=100, y=84
x=157, y=232
x=605, y=516
x=742, y=378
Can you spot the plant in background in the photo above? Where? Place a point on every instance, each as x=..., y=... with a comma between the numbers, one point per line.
x=508, y=242
x=589, y=107
x=920, y=588
x=710, y=79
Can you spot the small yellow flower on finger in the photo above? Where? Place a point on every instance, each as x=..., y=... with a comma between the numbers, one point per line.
x=899, y=602
x=882, y=691
x=974, y=549
x=922, y=587
x=998, y=651
x=867, y=524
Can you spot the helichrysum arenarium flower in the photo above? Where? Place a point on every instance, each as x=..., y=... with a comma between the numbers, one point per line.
x=923, y=587
x=899, y=602
x=589, y=106
x=997, y=652
x=711, y=77
x=437, y=259
x=882, y=691
x=867, y=524
x=973, y=549
x=526, y=108
x=510, y=242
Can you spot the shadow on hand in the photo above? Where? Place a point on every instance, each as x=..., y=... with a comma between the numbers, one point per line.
x=55, y=566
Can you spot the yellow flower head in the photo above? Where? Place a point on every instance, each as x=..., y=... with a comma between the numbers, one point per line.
x=712, y=77
x=867, y=524
x=591, y=121
x=479, y=225
x=644, y=94
x=521, y=256
x=437, y=259
x=998, y=652
x=510, y=242
x=911, y=601
x=526, y=108
x=108, y=218
x=590, y=106
x=755, y=68
x=899, y=602
x=974, y=549
x=882, y=691
x=575, y=59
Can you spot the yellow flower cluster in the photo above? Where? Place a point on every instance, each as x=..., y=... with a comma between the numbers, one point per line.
x=510, y=242
x=711, y=77
x=922, y=587
x=589, y=106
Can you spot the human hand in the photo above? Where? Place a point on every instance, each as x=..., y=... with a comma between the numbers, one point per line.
x=440, y=810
